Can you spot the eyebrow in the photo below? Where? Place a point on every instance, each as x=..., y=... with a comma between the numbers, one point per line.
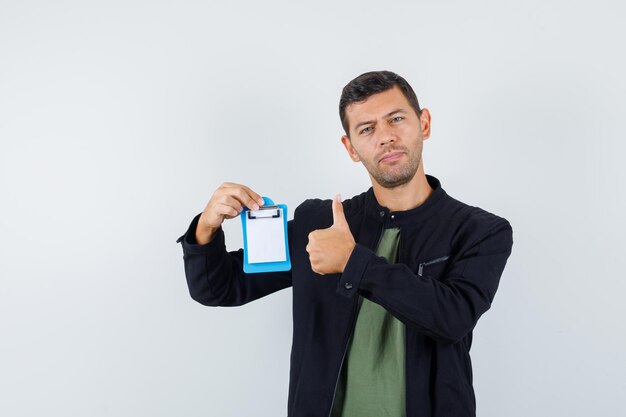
x=391, y=113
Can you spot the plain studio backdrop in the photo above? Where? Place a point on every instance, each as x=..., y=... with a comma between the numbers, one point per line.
x=119, y=119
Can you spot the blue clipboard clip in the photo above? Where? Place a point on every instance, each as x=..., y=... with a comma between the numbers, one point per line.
x=274, y=212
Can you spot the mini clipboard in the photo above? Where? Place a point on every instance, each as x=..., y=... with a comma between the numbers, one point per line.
x=265, y=238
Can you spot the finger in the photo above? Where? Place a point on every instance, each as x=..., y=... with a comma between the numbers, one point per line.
x=245, y=198
x=232, y=202
x=339, y=218
x=215, y=214
x=252, y=196
x=225, y=210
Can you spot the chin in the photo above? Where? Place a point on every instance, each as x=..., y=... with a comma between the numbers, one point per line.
x=393, y=182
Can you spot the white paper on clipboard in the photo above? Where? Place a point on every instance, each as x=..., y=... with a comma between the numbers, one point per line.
x=266, y=236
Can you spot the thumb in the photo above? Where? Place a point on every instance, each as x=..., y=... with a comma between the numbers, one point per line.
x=339, y=218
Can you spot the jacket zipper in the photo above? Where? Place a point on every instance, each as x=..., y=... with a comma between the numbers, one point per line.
x=343, y=357
x=421, y=266
x=345, y=349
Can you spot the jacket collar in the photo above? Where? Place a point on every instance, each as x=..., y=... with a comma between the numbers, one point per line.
x=382, y=214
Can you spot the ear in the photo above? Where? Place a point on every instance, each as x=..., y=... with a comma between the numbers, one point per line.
x=425, y=123
x=348, y=145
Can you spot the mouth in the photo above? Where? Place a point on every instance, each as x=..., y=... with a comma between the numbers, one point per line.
x=393, y=156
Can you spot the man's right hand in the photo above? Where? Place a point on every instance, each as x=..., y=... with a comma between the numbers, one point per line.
x=225, y=203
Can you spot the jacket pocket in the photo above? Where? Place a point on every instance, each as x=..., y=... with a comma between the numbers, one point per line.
x=432, y=266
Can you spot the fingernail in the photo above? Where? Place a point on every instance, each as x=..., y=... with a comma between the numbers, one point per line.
x=261, y=201
x=255, y=207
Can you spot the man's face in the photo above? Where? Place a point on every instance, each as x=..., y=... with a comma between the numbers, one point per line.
x=386, y=136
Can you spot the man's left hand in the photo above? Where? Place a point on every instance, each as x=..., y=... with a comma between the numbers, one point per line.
x=329, y=249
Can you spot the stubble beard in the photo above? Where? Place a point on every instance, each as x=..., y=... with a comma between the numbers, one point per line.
x=395, y=176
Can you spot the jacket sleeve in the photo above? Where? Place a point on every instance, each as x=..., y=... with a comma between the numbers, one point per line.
x=215, y=277
x=445, y=309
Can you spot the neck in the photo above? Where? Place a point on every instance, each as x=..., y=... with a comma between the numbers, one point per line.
x=406, y=196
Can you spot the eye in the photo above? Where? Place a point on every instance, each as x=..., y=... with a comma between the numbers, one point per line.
x=397, y=118
x=364, y=130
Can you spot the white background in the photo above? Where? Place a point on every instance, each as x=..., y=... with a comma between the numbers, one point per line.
x=118, y=119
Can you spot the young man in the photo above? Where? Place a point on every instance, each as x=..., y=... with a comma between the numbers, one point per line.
x=387, y=286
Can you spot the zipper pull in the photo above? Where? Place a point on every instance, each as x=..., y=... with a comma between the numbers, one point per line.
x=420, y=269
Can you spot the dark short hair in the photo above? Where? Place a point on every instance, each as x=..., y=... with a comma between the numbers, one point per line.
x=370, y=83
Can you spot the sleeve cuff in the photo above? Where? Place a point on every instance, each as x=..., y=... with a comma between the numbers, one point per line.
x=350, y=279
x=190, y=245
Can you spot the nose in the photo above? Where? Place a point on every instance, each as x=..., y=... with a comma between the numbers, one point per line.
x=385, y=135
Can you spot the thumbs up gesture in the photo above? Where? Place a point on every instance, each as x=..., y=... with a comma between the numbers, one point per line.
x=329, y=249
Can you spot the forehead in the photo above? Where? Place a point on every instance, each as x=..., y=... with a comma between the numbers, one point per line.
x=377, y=105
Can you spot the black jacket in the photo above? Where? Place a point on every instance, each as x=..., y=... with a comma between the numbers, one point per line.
x=450, y=259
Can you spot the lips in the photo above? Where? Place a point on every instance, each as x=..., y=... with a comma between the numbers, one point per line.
x=392, y=156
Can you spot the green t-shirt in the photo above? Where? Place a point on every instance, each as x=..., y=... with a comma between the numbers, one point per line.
x=371, y=382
